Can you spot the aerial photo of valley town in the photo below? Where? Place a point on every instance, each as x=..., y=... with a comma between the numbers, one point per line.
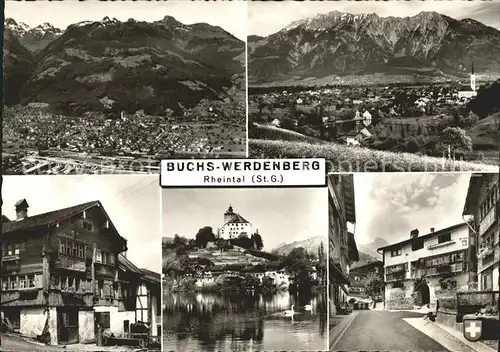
x=376, y=87
x=87, y=93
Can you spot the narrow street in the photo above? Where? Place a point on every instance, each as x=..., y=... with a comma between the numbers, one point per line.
x=384, y=331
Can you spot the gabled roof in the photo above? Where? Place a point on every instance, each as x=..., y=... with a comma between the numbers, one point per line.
x=436, y=233
x=472, y=199
x=151, y=276
x=5, y=219
x=237, y=219
x=49, y=218
x=465, y=88
x=127, y=265
x=54, y=217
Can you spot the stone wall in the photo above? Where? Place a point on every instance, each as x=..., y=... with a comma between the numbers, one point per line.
x=86, y=326
x=32, y=322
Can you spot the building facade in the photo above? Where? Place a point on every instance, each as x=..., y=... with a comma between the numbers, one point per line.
x=482, y=204
x=342, y=245
x=234, y=225
x=360, y=274
x=435, y=262
x=61, y=275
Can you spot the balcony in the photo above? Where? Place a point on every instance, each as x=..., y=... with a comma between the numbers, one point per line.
x=490, y=256
x=488, y=221
x=439, y=245
x=70, y=263
x=11, y=258
x=105, y=270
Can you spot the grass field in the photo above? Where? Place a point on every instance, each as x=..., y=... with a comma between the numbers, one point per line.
x=353, y=159
x=272, y=142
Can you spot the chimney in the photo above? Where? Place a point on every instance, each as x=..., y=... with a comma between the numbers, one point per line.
x=432, y=229
x=21, y=209
x=414, y=233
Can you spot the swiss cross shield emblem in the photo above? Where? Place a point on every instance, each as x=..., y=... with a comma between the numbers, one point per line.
x=473, y=329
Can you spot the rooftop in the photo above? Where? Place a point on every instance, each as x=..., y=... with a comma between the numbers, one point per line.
x=54, y=217
x=409, y=240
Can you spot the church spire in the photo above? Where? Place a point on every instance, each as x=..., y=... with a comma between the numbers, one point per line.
x=472, y=77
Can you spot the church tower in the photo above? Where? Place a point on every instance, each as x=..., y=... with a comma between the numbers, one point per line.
x=229, y=214
x=472, y=78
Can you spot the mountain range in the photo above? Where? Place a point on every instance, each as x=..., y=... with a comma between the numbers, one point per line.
x=130, y=65
x=367, y=252
x=340, y=44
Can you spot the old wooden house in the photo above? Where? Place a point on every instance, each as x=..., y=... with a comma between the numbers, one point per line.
x=61, y=274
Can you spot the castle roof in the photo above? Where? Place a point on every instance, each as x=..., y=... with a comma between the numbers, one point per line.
x=237, y=219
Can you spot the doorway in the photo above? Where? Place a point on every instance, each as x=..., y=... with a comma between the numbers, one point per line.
x=67, y=326
x=103, y=319
x=424, y=293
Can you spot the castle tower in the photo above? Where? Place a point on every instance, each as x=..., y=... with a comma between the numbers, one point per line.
x=229, y=214
x=472, y=78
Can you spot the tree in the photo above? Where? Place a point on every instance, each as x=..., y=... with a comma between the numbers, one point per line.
x=454, y=137
x=287, y=123
x=204, y=235
x=374, y=285
x=412, y=145
x=257, y=240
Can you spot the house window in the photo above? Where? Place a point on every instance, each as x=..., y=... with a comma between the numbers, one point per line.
x=13, y=282
x=64, y=282
x=22, y=282
x=98, y=256
x=417, y=244
x=71, y=282
x=396, y=252
x=487, y=281
x=444, y=238
x=81, y=251
x=100, y=288
x=5, y=285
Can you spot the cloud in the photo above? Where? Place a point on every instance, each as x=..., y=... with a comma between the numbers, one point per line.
x=394, y=204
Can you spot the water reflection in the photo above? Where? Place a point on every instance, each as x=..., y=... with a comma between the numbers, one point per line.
x=251, y=322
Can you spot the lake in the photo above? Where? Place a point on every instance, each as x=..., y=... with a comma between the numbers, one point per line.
x=244, y=322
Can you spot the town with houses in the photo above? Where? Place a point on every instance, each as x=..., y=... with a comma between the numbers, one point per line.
x=36, y=141
x=448, y=275
x=67, y=283
x=401, y=118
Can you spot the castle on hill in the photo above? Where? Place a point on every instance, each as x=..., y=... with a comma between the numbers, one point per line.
x=234, y=225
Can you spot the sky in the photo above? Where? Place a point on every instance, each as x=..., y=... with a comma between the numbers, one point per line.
x=390, y=205
x=132, y=203
x=229, y=15
x=265, y=18
x=282, y=215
